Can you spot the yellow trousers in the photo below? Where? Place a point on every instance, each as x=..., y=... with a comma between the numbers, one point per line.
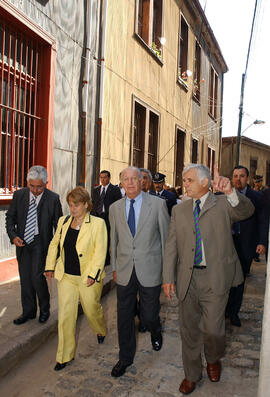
x=70, y=290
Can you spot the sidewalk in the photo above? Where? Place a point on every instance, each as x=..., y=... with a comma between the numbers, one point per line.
x=153, y=374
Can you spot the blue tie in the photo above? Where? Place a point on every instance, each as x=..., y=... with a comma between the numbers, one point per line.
x=198, y=249
x=131, y=218
x=30, y=226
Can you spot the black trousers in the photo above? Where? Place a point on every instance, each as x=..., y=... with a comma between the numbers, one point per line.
x=33, y=283
x=236, y=293
x=149, y=313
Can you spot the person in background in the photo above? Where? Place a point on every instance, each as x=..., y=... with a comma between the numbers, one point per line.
x=146, y=180
x=258, y=180
x=159, y=182
x=81, y=241
x=30, y=222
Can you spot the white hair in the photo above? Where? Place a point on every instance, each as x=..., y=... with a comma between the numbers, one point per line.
x=37, y=172
x=202, y=172
x=131, y=169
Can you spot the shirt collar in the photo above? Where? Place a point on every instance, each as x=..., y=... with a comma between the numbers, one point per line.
x=202, y=199
x=136, y=198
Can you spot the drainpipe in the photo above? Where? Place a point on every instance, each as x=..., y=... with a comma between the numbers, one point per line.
x=264, y=378
x=85, y=93
x=101, y=88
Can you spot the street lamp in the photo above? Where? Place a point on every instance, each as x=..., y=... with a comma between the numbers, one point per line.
x=256, y=122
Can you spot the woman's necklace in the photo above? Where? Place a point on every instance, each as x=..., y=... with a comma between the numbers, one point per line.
x=78, y=224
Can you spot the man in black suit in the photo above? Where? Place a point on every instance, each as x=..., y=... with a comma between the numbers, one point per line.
x=158, y=182
x=103, y=196
x=33, y=214
x=249, y=236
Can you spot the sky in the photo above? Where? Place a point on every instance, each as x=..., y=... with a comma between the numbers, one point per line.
x=231, y=22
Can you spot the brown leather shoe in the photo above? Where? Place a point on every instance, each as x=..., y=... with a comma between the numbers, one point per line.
x=213, y=371
x=187, y=387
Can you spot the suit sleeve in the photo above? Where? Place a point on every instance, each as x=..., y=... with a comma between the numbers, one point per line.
x=171, y=253
x=262, y=220
x=113, y=237
x=57, y=212
x=53, y=247
x=117, y=193
x=100, y=249
x=11, y=218
x=243, y=210
x=163, y=220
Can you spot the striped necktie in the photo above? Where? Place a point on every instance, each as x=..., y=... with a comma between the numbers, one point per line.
x=198, y=249
x=30, y=226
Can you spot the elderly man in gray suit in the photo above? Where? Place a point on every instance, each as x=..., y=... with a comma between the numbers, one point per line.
x=139, y=227
x=200, y=253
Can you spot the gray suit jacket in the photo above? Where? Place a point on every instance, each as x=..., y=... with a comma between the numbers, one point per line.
x=215, y=223
x=144, y=251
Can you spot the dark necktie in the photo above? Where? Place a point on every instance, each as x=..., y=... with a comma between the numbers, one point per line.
x=31, y=220
x=131, y=218
x=198, y=249
x=101, y=201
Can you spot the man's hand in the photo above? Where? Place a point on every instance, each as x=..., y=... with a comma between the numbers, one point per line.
x=260, y=249
x=114, y=276
x=169, y=290
x=49, y=274
x=18, y=242
x=221, y=183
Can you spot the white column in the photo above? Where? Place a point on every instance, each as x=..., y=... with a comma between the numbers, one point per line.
x=264, y=375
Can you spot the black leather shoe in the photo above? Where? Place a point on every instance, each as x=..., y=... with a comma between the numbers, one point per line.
x=100, y=339
x=43, y=317
x=142, y=328
x=119, y=369
x=60, y=366
x=22, y=319
x=156, y=341
x=235, y=320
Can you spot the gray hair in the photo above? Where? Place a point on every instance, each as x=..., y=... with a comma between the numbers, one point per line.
x=147, y=172
x=202, y=172
x=37, y=172
x=131, y=169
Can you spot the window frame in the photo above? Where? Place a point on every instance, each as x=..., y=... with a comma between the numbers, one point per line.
x=182, y=79
x=19, y=22
x=146, y=153
x=196, y=92
x=213, y=93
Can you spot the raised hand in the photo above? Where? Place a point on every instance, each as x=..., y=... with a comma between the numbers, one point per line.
x=221, y=183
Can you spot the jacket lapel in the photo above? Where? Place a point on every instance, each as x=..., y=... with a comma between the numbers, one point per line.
x=25, y=203
x=85, y=227
x=145, y=211
x=209, y=203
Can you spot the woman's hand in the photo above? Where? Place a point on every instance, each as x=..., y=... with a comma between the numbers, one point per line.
x=90, y=282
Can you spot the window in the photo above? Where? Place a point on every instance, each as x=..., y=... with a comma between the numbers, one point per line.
x=197, y=72
x=194, y=151
x=253, y=165
x=25, y=62
x=213, y=93
x=149, y=23
x=179, y=156
x=145, y=137
x=211, y=160
x=183, y=50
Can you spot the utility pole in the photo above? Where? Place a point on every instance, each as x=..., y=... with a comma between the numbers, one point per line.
x=243, y=90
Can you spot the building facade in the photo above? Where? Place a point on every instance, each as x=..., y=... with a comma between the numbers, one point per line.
x=254, y=155
x=162, y=88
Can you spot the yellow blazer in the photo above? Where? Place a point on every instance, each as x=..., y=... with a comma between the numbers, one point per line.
x=91, y=247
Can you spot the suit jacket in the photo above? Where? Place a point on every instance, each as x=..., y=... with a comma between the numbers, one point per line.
x=91, y=248
x=254, y=230
x=113, y=194
x=169, y=197
x=144, y=251
x=49, y=210
x=215, y=222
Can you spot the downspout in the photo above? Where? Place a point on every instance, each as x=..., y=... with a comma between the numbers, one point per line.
x=85, y=93
x=101, y=88
x=220, y=127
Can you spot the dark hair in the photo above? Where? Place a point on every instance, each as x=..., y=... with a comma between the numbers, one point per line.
x=105, y=172
x=79, y=195
x=239, y=167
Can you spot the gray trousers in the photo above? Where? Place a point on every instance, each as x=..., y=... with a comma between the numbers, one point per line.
x=202, y=324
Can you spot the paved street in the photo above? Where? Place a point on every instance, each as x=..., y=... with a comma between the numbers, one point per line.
x=153, y=373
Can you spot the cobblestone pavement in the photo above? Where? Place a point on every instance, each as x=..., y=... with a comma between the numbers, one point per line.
x=155, y=373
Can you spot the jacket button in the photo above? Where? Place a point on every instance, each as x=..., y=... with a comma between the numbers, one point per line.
x=80, y=255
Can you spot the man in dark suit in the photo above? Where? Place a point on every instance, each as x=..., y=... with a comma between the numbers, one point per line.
x=249, y=236
x=158, y=182
x=103, y=196
x=33, y=214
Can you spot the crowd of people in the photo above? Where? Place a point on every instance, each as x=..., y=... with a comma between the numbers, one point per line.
x=198, y=243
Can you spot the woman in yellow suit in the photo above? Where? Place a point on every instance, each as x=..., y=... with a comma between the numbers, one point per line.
x=79, y=270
